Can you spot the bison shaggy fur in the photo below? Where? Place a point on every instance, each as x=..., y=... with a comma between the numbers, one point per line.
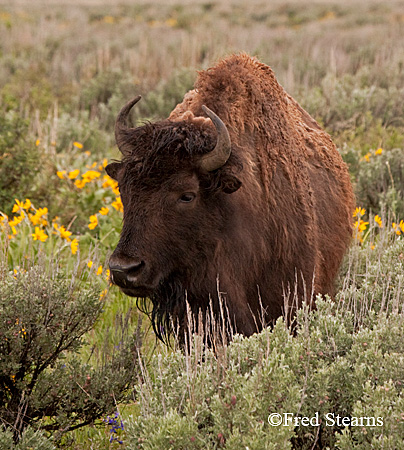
x=263, y=233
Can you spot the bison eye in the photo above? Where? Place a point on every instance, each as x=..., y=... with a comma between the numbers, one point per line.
x=187, y=197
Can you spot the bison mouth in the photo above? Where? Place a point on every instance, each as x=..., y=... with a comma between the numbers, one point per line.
x=138, y=291
x=135, y=282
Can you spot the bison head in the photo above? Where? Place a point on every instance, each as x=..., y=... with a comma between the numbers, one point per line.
x=175, y=179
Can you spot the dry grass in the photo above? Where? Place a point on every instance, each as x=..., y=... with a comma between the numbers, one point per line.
x=302, y=41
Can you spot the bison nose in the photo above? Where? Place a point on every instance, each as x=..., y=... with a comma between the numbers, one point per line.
x=125, y=270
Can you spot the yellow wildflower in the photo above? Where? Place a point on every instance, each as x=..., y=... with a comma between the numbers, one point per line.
x=378, y=220
x=74, y=174
x=398, y=227
x=109, y=19
x=34, y=218
x=17, y=220
x=39, y=235
x=360, y=225
x=21, y=205
x=93, y=222
x=27, y=204
x=37, y=142
x=78, y=144
x=117, y=204
x=61, y=174
x=366, y=157
x=99, y=270
x=171, y=22
x=359, y=211
x=42, y=211
x=74, y=245
x=80, y=183
x=107, y=274
x=64, y=234
x=104, y=211
x=90, y=264
x=103, y=294
x=18, y=205
x=379, y=151
x=91, y=175
x=109, y=182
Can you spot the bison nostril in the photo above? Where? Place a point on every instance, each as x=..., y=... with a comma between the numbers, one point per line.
x=121, y=272
x=126, y=267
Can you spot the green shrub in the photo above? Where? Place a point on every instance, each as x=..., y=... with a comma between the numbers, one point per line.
x=222, y=400
x=19, y=160
x=30, y=440
x=104, y=95
x=44, y=382
x=380, y=183
x=372, y=275
x=80, y=128
x=343, y=103
x=159, y=103
x=28, y=89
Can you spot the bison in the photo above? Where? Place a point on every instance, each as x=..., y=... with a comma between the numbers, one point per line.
x=238, y=198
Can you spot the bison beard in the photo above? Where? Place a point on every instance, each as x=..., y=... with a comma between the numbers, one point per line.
x=244, y=206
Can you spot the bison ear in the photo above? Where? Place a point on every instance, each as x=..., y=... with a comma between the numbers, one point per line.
x=230, y=183
x=113, y=170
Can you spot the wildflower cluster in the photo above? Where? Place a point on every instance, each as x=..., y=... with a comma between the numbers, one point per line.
x=369, y=155
x=116, y=427
x=27, y=217
x=25, y=212
x=398, y=227
x=94, y=174
x=30, y=223
x=361, y=227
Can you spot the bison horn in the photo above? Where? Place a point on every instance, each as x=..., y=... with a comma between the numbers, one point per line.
x=221, y=153
x=121, y=126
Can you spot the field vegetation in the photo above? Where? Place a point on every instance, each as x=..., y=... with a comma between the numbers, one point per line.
x=80, y=367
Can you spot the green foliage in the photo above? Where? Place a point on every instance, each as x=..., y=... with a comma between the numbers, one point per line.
x=30, y=440
x=44, y=315
x=104, y=95
x=343, y=102
x=19, y=160
x=205, y=401
x=223, y=399
x=373, y=275
x=30, y=88
x=380, y=183
x=72, y=128
x=159, y=103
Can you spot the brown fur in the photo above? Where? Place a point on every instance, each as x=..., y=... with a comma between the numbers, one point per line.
x=286, y=227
